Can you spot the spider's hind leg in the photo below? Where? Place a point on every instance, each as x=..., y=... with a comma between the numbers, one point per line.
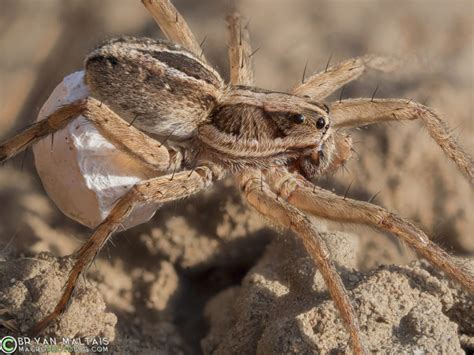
x=173, y=25
x=240, y=51
x=157, y=190
x=119, y=132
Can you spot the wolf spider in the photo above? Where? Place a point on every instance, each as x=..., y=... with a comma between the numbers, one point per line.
x=199, y=129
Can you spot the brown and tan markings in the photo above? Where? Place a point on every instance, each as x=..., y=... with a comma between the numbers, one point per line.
x=194, y=129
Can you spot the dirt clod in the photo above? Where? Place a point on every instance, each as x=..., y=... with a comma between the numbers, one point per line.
x=31, y=287
x=282, y=308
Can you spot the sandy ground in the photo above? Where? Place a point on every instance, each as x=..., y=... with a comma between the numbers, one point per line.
x=206, y=274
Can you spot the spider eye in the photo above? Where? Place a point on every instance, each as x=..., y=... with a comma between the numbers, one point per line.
x=297, y=118
x=320, y=123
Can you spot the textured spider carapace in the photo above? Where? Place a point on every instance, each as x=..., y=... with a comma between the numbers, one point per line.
x=162, y=104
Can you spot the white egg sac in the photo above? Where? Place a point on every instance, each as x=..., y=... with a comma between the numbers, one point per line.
x=82, y=172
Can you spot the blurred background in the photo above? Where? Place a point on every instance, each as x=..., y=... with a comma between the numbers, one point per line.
x=209, y=242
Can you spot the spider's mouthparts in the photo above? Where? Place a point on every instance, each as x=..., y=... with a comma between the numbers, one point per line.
x=316, y=155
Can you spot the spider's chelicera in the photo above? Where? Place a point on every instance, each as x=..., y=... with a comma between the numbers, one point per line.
x=161, y=103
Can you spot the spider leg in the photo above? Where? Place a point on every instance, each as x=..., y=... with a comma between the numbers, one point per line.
x=119, y=132
x=320, y=85
x=173, y=25
x=281, y=213
x=322, y=203
x=357, y=112
x=240, y=52
x=157, y=190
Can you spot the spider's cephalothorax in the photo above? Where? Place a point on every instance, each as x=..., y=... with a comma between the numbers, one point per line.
x=257, y=128
x=168, y=110
x=150, y=82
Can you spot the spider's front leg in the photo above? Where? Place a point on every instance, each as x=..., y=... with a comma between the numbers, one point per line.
x=119, y=132
x=156, y=191
x=320, y=85
x=261, y=198
x=322, y=203
x=360, y=112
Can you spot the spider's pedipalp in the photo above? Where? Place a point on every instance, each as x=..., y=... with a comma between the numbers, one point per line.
x=322, y=203
x=266, y=202
x=359, y=112
x=240, y=52
x=157, y=190
x=341, y=154
x=173, y=25
x=320, y=85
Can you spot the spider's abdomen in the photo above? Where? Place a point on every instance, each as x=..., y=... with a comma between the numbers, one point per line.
x=161, y=87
